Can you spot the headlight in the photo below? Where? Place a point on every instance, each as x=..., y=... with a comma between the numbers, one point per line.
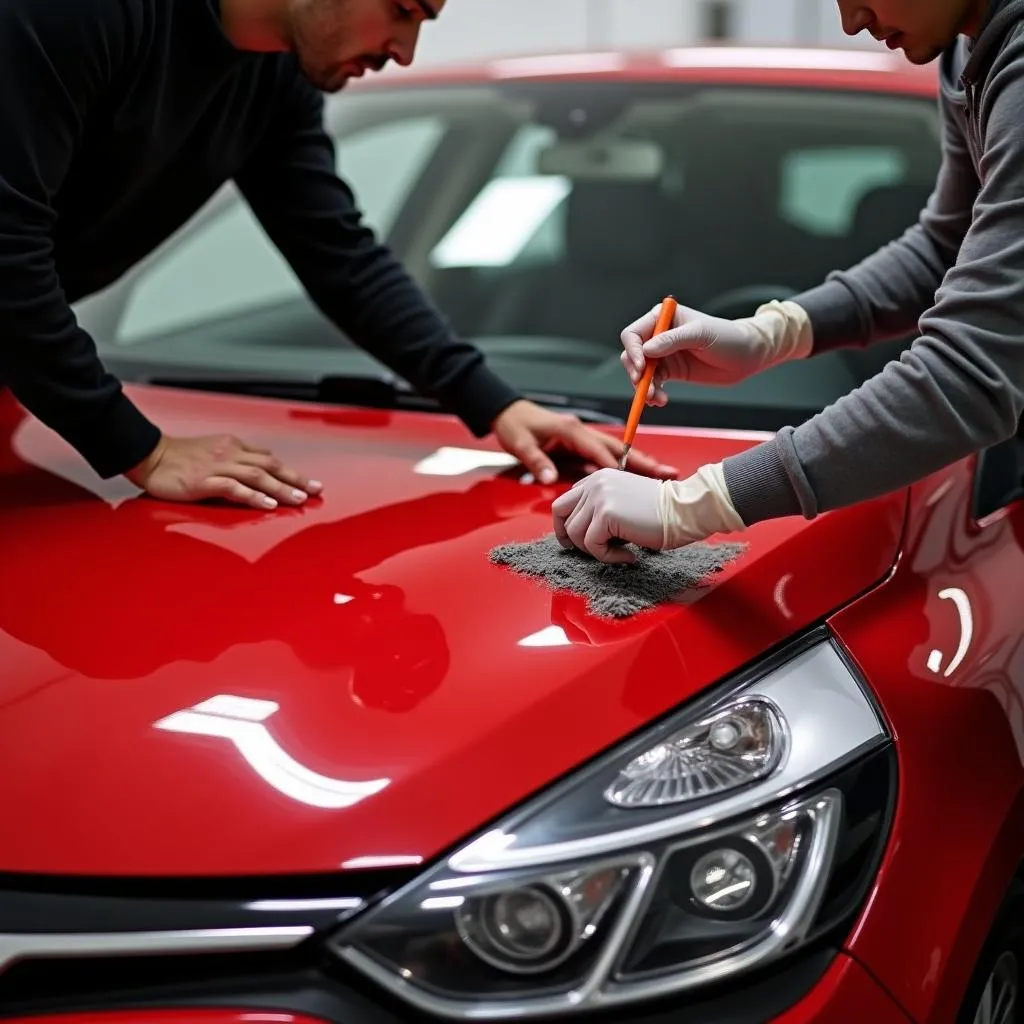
x=723, y=839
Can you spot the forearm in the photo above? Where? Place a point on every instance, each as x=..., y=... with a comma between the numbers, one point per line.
x=61, y=54
x=50, y=364
x=885, y=295
x=959, y=388
x=383, y=310
x=311, y=216
x=882, y=297
x=956, y=281
x=943, y=401
x=59, y=381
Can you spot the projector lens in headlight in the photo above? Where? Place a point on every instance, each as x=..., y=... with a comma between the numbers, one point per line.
x=720, y=841
x=723, y=880
x=516, y=930
x=745, y=874
x=506, y=935
x=533, y=928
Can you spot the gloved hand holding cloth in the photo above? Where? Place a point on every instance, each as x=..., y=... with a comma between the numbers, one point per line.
x=612, y=505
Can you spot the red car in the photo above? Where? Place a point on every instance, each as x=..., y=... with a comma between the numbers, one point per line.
x=334, y=765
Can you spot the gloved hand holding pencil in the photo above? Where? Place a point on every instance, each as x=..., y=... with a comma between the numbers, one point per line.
x=707, y=350
x=615, y=505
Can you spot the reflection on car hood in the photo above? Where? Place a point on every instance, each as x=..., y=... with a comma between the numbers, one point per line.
x=204, y=690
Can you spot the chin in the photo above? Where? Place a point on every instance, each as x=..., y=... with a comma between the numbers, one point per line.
x=324, y=79
x=329, y=82
x=921, y=55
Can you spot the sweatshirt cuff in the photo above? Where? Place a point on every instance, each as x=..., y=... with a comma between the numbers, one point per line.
x=478, y=397
x=836, y=318
x=115, y=441
x=759, y=485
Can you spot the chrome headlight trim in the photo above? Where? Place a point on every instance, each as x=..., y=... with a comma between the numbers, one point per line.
x=602, y=987
x=790, y=926
x=830, y=722
x=816, y=683
x=709, y=773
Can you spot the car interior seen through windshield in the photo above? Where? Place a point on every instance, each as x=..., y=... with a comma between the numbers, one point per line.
x=542, y=218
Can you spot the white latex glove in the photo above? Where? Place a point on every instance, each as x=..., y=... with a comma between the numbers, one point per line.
x=707, y=350
x=657, y=514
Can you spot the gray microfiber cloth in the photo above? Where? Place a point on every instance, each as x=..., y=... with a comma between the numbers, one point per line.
x=618, y=591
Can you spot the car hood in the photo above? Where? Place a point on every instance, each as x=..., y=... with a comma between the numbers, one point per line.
x=202, y=690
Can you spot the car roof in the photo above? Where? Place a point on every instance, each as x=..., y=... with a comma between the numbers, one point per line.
x=811, y=67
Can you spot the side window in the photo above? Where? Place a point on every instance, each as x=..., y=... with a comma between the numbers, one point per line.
x=822, y=187
x=229, y=267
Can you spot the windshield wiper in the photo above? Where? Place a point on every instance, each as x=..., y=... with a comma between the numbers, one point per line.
x=371, y=392
x=332, y=389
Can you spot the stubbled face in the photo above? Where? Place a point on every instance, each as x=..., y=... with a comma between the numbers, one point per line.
x=922, y=29
x=336, y=40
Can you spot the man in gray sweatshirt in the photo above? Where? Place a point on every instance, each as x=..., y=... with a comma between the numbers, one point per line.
x=957, y=277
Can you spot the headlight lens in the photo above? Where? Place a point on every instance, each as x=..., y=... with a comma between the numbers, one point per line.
x=741, y=744
x=702, y=849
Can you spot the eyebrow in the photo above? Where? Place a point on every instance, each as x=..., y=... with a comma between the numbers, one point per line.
x=428, y=12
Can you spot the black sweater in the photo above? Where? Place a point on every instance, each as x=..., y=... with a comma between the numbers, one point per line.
x=118, y=120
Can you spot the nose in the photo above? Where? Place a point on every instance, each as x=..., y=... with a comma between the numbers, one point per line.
x=855, y=19
x=403, y=47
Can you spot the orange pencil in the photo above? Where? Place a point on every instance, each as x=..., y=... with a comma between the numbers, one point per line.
x=665, y=315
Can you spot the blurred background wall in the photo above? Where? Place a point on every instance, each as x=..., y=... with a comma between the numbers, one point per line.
x=487, y=28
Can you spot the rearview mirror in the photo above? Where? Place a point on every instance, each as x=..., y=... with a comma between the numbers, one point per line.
x=595, y=160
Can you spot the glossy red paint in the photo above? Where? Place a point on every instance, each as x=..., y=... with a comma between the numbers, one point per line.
x=845, y=995
x=172, y=1017
x=400, y=655
x=366, y=641
x=942, y=644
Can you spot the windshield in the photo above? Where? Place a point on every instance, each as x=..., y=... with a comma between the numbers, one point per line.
x=542, y=218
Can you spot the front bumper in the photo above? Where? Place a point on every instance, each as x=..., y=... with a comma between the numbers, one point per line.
x=172, y=1017
x=825, y=989
x=847, y=994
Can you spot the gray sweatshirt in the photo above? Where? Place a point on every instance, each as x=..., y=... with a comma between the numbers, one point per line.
x=957, y=276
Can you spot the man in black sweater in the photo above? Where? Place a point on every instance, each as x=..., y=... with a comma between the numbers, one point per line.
x=119, y=119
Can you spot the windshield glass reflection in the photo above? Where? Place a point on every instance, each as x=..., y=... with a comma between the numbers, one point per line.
x=543, y=218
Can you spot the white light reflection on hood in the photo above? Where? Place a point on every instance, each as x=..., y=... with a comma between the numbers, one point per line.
x=447, y=461
x=240, y=721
